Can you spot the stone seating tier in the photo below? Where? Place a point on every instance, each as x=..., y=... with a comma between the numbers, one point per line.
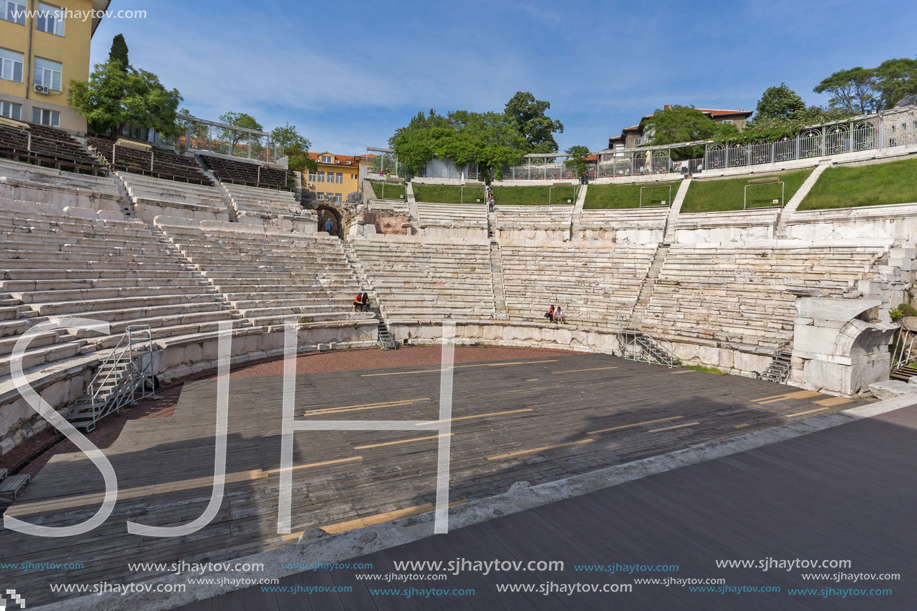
x=421, y=279
x=115, y=271
x=627, y=218
x=597, y=283
x=263, y=202
x=22, y=184
x=533, y=217
x=452, y=215
x=153, y=197
x=271, y=277
x=741, y=296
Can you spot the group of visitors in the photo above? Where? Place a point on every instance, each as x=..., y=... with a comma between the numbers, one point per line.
x=555, y=314
x=361, y=302
x=489, y=197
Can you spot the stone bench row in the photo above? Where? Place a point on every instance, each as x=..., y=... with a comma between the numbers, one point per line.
x=57, y=178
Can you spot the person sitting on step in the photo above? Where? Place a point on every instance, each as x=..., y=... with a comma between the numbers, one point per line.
x=358, y=303
x=550, y=314
x=365, y=301
x=559, y=315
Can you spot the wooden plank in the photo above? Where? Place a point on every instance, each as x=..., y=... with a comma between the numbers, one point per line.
x=541, y=449
x=383, y=517
x=393, y=443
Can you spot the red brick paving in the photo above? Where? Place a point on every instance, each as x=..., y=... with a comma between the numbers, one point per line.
x=372, y=358
x=33, y=454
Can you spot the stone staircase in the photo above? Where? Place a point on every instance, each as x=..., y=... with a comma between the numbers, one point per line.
x=675, y=210
x=203, y=281
x=412, y=207
x=127, y=206
x=793, y=204
x=387, y=341
x=649, y=284
x=224, y=194
x=578, y=210
x=496, y=269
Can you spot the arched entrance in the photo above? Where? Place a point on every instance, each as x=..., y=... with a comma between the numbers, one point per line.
x=330, y=213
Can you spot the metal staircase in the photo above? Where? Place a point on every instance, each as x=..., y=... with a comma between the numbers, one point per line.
x=638, y=345
x=125, y=376
x=386, y=340
x=779, y=369
x=904, y=352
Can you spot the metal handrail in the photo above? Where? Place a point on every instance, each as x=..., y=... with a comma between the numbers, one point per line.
x=122, y=373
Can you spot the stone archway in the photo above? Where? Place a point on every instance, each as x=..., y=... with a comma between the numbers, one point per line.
x=326, y=213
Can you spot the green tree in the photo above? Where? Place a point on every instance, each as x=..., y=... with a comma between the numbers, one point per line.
x=239, y=119
x=295, y=147
x=853, y=91
x=577, y=159
x=682, y=124
x=779, y=103
x=895, y=80
x=289, y=140
x=119, y=51
x=197, y=131
x=488, y=139
x=115, y=98
x=528, y=116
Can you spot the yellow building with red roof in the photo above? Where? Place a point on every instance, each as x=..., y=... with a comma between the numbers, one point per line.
x=336, y=176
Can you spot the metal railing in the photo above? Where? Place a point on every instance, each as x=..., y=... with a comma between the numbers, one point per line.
x=638, y=345
x=125, y=376
x=904, y=350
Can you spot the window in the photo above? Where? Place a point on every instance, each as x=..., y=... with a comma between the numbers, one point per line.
x=50, y=19
x=638, y=141
x=311, y=176
x=337, y=197
x=727, y=121
x=43, y=116
x=47, y=74
x=11, y=111
x=12, y=10
x=326, y=158
x=10, y=65
x=321, y=177
x=340, y=177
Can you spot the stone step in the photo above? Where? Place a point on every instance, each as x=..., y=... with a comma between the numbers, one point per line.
x=22, y=286
x=157, y=318
x=95, y=273
x=42, y=339
x=11, y=328
x=101, y=307
x=41, y=355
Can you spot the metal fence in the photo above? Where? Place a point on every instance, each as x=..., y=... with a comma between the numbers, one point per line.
x=886, y=130
x=546, y=171
x=223, y=139
x=381, y=162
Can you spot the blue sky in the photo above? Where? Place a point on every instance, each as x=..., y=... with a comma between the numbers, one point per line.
x=348, y=74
